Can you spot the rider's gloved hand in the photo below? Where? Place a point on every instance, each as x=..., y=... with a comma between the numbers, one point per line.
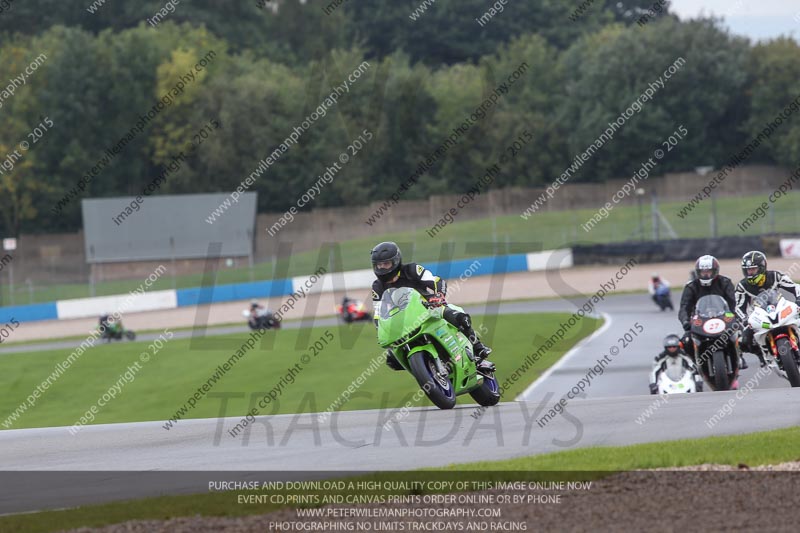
x=686, y=326
x=436, y=300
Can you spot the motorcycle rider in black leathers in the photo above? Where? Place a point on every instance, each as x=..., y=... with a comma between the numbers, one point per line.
x=387, y=264
x=673, y=348
x=708, y=281
x=758, y=279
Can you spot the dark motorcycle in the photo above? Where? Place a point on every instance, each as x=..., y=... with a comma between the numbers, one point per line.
x=714, y=335
x=263, y=319
x=663, y=298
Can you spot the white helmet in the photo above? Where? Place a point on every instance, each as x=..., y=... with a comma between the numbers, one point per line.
x=706, y=269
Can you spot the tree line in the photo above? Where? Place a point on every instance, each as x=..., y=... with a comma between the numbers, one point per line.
x=92, y=75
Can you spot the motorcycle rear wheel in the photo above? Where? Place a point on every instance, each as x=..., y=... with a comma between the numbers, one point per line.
x=788, y=361
x=488, y=394
x=439, y=389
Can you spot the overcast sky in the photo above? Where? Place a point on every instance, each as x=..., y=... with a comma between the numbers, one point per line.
x=757, y=19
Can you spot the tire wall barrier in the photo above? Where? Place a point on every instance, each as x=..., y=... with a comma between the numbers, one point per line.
x=668, y=251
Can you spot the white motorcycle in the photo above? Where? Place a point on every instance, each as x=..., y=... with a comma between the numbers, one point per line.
x=677, y=379
x=775, y=324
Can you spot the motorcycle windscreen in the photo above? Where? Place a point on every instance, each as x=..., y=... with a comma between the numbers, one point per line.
x=674, y=370
x=711, y=306
x=767, y=298
x=394, y=299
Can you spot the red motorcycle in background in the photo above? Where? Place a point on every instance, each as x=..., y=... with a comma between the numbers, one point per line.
x=352, y=310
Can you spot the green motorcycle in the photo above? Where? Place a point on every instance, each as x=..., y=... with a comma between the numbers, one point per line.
x=436, y=353
x=113, y=330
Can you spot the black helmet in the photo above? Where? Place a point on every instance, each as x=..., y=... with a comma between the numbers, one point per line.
x=754, y=267
x=386, y=254
x=706, y=269
x=672, y=344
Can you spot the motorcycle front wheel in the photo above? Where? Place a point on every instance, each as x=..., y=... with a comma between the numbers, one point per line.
x=437, y=387
x=721, y=381
x=788, y=361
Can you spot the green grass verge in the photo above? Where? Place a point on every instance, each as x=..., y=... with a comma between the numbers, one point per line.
x=753, y=449
x=474, y=238
x=769, y=447
x=163, y=384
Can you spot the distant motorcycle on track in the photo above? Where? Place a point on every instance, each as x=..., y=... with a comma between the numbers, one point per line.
x=663, y=298
x=660, y=292
x=353, y=311
x=261, y=318
x=113, y=330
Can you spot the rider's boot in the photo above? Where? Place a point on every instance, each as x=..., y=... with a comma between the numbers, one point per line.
x=486, y=366
x=481, y=351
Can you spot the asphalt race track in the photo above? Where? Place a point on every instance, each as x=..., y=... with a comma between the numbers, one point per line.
x=609, y=413
x=627, y=373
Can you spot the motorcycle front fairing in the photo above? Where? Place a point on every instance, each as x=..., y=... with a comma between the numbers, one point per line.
x=711, y=323
x=712, y=318
x=773, y=317
x=407, y=326
x=676, y=378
